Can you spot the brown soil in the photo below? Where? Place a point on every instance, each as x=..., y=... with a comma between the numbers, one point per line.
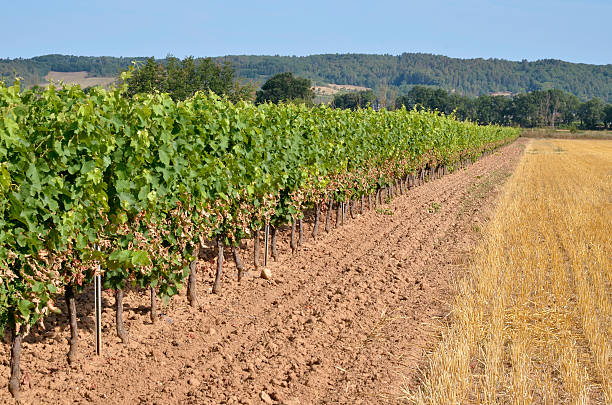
x=347, y=319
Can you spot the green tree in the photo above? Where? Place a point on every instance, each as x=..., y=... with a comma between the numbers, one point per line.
x=285, y=87
x=354, y=100
x=591, y=113
x=390, y=73
x=524, y=110
x=148, y=78
x=493, y=109
x=569, y=112
x=428, y=98
x=183, y=78
x=463, y=106
x=537, y=108
x=608, y=116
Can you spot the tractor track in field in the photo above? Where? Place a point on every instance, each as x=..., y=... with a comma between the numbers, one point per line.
x=347, y=319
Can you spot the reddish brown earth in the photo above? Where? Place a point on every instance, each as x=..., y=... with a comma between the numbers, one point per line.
x=347, y=319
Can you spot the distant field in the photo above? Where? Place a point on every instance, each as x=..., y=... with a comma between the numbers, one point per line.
x=531, y=325
x=331, y=89
x=565, y=134
x=325, y=93
x=80, y=78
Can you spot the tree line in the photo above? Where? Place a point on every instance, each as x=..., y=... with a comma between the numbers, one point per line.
x=32, y=71
x=182, y=78
x=396, y=74
x=543, y=108
x=540, y=108
x=471, y=77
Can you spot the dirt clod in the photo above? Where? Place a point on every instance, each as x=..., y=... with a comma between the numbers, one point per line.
x=266, y=273
x=266, y=398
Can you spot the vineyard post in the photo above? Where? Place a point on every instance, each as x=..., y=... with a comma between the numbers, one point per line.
x=216, y=285
x=98, y=307
x=266, y=239
x=191, y=283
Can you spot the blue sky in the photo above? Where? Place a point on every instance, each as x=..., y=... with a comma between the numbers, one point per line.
x=576, y=31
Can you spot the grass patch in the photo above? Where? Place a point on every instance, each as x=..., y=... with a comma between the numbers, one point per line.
x=482, y=188
x=433, y=208
x=385, y=211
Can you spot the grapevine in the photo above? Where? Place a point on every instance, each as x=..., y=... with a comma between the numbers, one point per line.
x=137, y=184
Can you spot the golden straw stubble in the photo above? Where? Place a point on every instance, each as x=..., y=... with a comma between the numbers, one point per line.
x=532, y=321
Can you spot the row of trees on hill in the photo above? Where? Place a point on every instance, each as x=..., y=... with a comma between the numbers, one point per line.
x=534, y=109
x=354, y=100
x=182, y=78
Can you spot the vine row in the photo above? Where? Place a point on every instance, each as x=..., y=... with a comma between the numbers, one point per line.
x=136, y=185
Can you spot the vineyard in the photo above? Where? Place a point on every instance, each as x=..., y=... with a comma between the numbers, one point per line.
x=99, y=184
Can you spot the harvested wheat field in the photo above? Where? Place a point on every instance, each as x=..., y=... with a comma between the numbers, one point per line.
x=532, y=322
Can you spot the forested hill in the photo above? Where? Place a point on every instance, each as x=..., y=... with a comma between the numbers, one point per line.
x=33, y=70
x=465, y=76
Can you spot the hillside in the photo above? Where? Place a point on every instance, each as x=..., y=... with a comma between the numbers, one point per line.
x=465, y=76
x=34, y=71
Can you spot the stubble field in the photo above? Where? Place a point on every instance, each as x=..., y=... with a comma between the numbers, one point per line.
x=532, y=322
